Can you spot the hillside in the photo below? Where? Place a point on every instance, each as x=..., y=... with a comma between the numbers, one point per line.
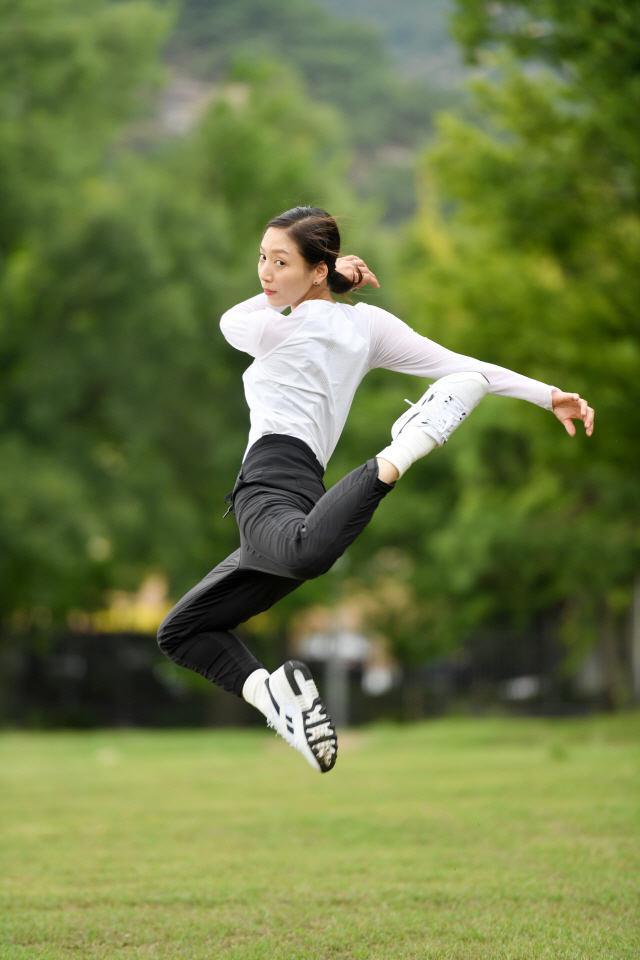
x=342, y=63
x=346, y=65
x=415, y=32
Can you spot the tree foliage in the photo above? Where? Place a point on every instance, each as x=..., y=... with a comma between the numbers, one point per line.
x=525, y=253
x=340, y=62
x=123, y=421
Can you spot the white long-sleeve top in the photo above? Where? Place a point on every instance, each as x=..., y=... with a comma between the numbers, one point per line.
x=309, y=364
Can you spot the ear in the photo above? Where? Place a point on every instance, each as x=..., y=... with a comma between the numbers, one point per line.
x=320, y=273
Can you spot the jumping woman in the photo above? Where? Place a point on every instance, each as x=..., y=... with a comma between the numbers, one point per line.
x=306, y=369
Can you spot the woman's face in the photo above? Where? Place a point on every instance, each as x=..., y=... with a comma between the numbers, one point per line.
x=286, y=277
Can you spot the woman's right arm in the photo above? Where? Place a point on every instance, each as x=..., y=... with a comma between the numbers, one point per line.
x=243, y=325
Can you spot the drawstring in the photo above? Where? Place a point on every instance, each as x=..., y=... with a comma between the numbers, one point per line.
x=228, y=499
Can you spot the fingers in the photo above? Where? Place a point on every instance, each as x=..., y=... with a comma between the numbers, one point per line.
x=587, y=415
x=571, y=406
x=367, y=275
x=583, y=412
x=588, y=421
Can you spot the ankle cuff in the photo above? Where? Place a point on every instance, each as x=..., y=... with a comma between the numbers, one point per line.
x=253, y=687
x=397, y=456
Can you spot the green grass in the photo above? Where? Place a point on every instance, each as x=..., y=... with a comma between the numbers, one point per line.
x=454, y=839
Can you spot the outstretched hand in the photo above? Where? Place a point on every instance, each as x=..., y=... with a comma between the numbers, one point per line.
x=347, y=267
x=569, y=407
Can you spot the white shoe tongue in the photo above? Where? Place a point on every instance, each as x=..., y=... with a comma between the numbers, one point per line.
x=457, y=406
x=449, y=416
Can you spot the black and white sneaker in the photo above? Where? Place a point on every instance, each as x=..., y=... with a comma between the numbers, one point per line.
x=444, y=406
x=300, y=717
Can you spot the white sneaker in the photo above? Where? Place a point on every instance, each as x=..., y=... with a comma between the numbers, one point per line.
x=300, y=717
x=444, y=406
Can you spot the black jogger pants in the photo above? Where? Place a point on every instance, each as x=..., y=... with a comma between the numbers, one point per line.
x=291, y=530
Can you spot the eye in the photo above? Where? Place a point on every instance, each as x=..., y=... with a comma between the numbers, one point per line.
x=262, y=257
x=280, y=263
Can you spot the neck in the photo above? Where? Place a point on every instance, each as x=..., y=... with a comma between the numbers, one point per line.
x=320, y=292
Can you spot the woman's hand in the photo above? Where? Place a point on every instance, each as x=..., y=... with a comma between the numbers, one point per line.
x=347, y=265
x=569, y=407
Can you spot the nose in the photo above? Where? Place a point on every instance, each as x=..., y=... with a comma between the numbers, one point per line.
x=264, y=271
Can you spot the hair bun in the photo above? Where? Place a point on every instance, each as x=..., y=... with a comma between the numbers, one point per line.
x=339, y=283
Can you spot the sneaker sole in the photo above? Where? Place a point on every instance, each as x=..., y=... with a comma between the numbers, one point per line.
x=319, y=731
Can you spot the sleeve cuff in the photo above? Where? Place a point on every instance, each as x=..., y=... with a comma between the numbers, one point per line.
x=548, y=399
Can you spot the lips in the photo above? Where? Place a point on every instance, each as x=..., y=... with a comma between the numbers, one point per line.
x=269, y=293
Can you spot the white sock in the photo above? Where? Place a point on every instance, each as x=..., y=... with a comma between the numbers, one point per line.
x=412, y=444
x=255, y=691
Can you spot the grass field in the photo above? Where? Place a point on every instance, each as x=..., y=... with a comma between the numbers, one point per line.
x=453, y=839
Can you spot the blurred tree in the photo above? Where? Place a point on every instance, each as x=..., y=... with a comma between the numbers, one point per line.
x=525, y=253
x=122, y=421
x=342, y=63
x=418, y=36
x=70, y=76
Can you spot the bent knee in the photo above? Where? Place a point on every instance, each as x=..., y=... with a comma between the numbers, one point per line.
x=308, y=568
x=166, y=636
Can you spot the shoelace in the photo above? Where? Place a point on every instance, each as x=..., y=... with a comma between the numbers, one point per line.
x=453, y=413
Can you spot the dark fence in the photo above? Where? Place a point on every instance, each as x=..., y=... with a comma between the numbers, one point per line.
x=112, y=680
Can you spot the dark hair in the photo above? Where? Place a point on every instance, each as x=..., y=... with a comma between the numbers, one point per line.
x=317, y=237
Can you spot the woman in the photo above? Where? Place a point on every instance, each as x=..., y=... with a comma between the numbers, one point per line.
x=306, y=369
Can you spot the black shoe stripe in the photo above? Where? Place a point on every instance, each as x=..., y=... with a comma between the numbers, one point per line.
x=327, y=719
x=289, y=668
x=407, y=422
x=273, y=699
x=312, y=726
x=331, y=735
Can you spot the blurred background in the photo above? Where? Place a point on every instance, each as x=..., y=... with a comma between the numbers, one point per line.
x=485, y=159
